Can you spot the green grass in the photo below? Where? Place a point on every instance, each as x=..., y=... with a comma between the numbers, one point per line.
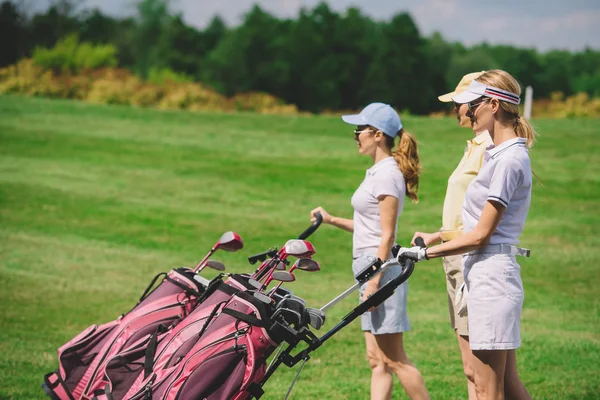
x=95, y=200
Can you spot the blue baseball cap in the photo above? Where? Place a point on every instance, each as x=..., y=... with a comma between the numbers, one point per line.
x=378, y=115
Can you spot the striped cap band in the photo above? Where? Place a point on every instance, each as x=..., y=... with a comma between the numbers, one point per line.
x=500, y=94
x=477, y=89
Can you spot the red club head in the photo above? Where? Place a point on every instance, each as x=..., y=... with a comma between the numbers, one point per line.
x=299, y=248
x=307, y=264
x=230, y=241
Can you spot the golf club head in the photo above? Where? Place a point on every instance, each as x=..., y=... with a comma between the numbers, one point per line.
x=262, y=297
x=255, y=283
x=289, y=316
x=280, y=266
x=315, y=317
x=293, y=297
x=292, y=303
x=216, y=265
x=230, y=241
x=307, y=264
x=278, y=293
x=283, y=276
x=299, y=248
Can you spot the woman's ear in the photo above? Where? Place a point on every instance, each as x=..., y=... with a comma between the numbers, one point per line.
x=495, y=105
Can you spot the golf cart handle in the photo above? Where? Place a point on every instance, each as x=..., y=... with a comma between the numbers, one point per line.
x=420, y=242
x=382, y=294
x=311, y=229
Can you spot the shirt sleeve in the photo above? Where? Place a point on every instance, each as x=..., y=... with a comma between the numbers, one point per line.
x=388, y=185
x=506, y=178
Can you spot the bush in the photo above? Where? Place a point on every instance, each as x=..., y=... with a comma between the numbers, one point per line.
x=147, y=95
x=578, y=105
x=193, y=96
x=26, y=78
x=68, y=55
x=262, y=103
x=165, y=75
x=115, y=87
x=119, y=86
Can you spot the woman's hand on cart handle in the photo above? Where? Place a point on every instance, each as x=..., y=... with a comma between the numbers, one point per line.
x=428, y=238
x=416, y=253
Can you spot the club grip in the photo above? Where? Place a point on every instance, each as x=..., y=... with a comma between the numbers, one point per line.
x=420, y=242
x=311, y=229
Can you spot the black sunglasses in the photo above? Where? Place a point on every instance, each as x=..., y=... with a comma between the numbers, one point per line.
x=472, y=106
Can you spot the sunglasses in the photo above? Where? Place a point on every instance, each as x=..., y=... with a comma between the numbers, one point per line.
x=472, y=106
x=358, y=131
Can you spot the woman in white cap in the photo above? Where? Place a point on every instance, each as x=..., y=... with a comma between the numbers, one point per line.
x=494, y=212
x=452, y=224
x=377, y=203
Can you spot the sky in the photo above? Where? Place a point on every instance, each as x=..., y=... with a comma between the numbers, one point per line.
x=542, y=24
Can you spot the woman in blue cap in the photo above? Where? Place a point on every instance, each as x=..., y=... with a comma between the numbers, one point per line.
x=377, y=203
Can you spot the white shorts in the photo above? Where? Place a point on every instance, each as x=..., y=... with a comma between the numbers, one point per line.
x=390, y=316
x=495, y=301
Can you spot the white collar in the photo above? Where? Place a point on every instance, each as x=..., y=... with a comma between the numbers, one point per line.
x=494, y=151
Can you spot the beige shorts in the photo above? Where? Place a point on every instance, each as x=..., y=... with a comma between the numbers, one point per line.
x=454, y=281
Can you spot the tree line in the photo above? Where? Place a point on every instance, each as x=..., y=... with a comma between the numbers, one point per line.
x=320, y=60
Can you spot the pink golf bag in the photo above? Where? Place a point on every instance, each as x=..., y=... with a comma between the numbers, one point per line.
x=218, y=352
x=83, y=359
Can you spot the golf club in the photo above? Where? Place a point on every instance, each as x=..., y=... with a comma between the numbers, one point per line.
x=229, y=241
x=303, y=264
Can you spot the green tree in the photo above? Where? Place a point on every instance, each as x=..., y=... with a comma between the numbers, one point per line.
x=465, y=61
x=12, y=25
x=397, y=74
x=251, y=57
x=438, y=54
x=152, y=19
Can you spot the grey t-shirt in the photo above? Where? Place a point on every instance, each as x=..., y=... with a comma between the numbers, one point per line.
x=383, y=178
x=506, y=178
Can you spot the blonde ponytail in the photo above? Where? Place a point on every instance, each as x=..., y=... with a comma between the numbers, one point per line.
x=523, y=129
x=407, y=157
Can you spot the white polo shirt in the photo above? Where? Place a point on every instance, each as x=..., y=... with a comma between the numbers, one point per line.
x=506, y=178
x=383, y=178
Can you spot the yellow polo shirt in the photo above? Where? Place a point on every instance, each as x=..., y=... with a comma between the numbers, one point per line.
x=467, y=169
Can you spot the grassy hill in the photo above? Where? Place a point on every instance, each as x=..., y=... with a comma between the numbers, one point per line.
x=95, y=200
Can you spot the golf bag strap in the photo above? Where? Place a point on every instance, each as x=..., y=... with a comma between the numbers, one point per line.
x=211, y=316
x=255, y=390
x=151, y=285
x=245, y=317
x=225, y=288
x=103, y=394
x=185, y=288
x=151, y=350
x=56, y=387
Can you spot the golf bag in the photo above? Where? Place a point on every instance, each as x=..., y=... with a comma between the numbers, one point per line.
x=83, y=359
x=218, y=352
